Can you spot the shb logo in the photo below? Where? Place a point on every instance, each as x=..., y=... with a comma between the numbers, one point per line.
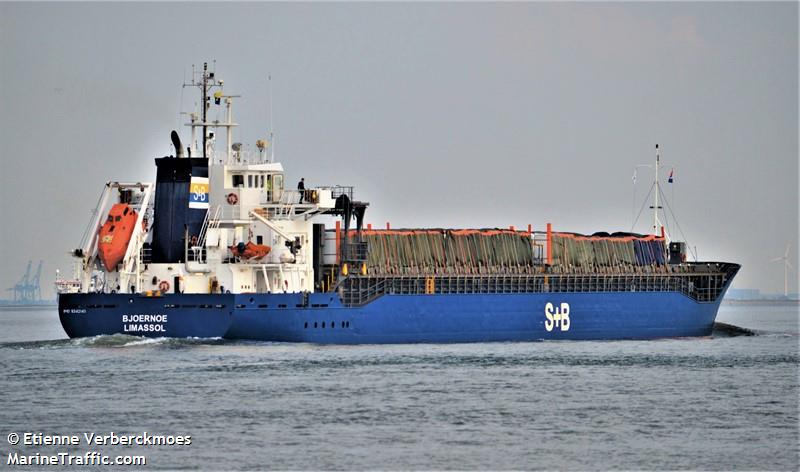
x=198, y=192
x=556, y=317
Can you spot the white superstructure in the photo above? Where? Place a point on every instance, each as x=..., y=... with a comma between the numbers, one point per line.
x=247, y=205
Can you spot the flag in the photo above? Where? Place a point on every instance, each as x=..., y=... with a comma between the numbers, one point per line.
x=670, y=175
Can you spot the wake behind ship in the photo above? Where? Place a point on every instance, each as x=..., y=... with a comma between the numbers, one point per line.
x=219, y=247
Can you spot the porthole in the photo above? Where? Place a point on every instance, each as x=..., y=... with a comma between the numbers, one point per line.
x=347, y=324
x=333, y=324
x=342, y=324
x=323, y=324
x=130, y=300
x=315, y=324
x=252, y=299
x=306, y=325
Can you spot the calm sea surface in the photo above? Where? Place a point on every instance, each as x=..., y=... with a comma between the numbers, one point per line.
x=727, y=402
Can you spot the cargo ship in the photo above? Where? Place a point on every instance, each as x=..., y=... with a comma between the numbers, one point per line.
x=219, y=247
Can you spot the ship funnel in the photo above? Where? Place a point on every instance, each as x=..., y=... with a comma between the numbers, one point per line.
x=176, y=141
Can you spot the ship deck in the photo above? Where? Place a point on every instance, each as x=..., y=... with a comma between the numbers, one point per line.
x=702, y=282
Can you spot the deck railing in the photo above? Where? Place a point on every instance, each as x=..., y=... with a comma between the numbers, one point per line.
x=700, y=286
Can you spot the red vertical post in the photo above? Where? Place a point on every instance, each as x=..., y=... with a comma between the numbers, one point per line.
x=530, y=229
x=387, y=225
x=369, y=225
x=338, y=239
x=662, y=233
x=511, y=228
x=549, y=244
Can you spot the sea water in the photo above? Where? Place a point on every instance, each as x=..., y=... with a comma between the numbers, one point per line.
x=724, y=402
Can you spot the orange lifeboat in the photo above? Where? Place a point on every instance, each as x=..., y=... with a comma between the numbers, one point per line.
x=250, y=250
x=115, y=234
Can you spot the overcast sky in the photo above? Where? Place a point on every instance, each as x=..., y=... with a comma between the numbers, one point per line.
x=447, y=115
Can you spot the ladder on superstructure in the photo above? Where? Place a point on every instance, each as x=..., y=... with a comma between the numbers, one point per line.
x=209, y=223
x=132, y=262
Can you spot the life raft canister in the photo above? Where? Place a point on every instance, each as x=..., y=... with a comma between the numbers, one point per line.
x=233, y=199
x=163, y=286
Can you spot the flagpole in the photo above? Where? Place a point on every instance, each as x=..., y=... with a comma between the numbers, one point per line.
x=672, y=184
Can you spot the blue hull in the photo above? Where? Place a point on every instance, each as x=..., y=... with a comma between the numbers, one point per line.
x=451, y=318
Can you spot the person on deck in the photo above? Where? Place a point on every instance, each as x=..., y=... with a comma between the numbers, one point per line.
x=301, y=187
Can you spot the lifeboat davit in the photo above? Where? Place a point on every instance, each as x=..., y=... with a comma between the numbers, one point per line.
x=115, y=234
x=250, y=250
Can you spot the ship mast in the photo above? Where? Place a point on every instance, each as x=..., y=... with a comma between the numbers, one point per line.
x=204, y=87
x=656, y=207
x=657, y=225
x=206, y=83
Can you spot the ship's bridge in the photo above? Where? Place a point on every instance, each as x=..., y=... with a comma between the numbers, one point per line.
x=266, y=178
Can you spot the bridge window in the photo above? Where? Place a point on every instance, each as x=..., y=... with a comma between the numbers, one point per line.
x=238, y=180
x=250, y=181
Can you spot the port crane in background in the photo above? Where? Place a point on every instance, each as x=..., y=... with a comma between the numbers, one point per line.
x=28, y=289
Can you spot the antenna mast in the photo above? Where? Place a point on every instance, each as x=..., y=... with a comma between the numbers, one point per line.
x=204, y=87
x=208, y=81
x=271, y=126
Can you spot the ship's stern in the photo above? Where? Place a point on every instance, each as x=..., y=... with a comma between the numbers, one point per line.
x=176, y=315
